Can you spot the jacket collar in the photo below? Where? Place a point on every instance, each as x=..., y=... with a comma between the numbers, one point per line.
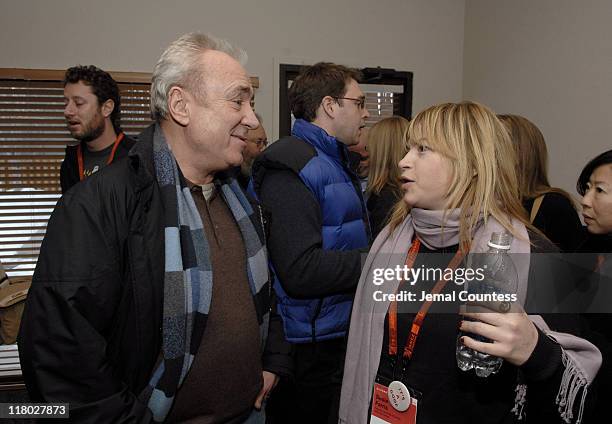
x=141, y=158
x=318, y=138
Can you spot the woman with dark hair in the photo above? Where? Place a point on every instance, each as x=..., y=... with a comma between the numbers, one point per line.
x=551, y=209
x=595, y=186
x=460, y=194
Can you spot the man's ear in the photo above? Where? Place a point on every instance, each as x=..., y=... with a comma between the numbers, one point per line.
x=177, y=106
x=107, y=107
x=329, y=105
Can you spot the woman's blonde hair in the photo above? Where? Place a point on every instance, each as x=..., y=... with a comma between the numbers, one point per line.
x=484, y=181
x=387, y=145
x=532, y=157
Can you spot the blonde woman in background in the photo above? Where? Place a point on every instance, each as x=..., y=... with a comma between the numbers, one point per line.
x=459, y=187
x=551, y=210
x=387, y=145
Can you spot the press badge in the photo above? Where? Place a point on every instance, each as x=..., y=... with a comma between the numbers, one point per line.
x=393, y=403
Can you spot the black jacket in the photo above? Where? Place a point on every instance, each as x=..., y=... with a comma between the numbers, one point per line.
x=600, y=324
x=69, y=172
x=380, y=207
x=91, y=329
x=558, y=220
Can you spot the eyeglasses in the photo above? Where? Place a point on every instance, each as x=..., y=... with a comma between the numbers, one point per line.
x=360, y=101
x=259, y=143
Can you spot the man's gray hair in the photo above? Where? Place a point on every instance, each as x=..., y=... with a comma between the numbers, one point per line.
x=179, y=66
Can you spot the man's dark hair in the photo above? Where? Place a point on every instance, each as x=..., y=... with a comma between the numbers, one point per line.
x=103, y=86
x=315, y=82
x=603, y=159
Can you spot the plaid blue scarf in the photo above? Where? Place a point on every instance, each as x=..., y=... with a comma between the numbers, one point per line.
x=188, y=276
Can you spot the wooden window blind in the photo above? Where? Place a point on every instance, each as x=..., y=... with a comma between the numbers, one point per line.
x=382, y=101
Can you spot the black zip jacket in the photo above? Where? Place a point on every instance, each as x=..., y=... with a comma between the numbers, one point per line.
x=91, y=329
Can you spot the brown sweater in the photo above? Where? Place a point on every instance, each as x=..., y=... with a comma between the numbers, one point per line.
x=226, y=375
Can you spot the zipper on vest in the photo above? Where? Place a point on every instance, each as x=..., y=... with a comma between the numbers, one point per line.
x=263, y=232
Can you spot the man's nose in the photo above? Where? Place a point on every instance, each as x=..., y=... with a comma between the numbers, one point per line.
x=68, y=110
x=366, y=113
x=250, y=120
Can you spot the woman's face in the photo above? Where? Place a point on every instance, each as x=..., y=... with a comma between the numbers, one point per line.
x=426, y=177
x=597, y=201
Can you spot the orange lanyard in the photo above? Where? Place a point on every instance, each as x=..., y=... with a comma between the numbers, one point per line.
x=600, y=261
x=420, y=316
x=110, y=157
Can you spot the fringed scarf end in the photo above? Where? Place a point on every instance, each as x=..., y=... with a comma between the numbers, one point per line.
x=572, y=382
x=519, y=401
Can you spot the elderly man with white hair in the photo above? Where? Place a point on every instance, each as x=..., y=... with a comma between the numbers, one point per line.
x=151, y=299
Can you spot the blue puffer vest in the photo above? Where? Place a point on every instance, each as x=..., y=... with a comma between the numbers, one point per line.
x=344, y=228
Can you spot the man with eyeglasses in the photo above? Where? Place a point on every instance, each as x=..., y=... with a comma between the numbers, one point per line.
x=318, y=224
x=256, y=142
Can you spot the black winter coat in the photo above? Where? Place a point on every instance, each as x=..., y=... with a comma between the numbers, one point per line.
x=91, y=329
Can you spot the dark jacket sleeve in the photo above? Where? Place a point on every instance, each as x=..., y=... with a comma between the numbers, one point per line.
x=277, y=351
x=304, y=268
x=544, y=370
x=543, y=373
x=277, y=357
x=69, y=315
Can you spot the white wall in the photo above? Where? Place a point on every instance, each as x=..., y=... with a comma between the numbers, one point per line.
x=425, y=37
x=550, y=61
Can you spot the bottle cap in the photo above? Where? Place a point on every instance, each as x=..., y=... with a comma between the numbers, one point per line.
x=500, y=241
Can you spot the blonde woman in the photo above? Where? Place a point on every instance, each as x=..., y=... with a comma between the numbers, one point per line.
x=551, y=210
x=459, y=186
x=387, y=141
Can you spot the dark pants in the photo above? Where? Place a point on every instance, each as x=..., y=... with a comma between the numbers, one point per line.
x=314, y=397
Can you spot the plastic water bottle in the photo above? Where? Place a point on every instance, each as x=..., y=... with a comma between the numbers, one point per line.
x=500, y=276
